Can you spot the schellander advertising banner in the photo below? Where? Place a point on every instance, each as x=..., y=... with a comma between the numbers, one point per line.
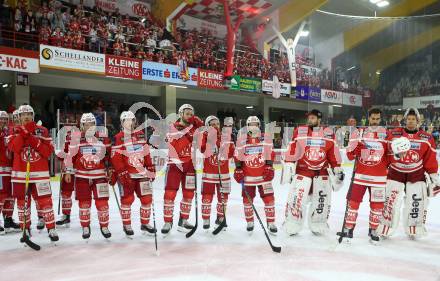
x=250, y=85
x=123, y=67
x=267, y=88
x=19, y=60
x=167, y=73
x=71, y=60
x=210, y=79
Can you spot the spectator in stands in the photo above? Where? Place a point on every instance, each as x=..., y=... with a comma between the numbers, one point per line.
x=57, y=37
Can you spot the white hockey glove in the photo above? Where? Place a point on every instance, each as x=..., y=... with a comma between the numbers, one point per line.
x=289, y=171
x=433, y=185
x=336, y=177
x=400, y=147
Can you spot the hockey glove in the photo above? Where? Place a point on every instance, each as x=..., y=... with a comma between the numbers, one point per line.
x=124, y=179
x=239, y=175
x=31, y=127
x=289, y=170
x=434, y=185
x=268, y=173
x=34, y=142
x=196, y=121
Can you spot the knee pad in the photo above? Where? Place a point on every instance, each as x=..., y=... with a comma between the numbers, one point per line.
x=188, y=194
x=170, y=195
x=44, y=202
x=127, y=200
x=146, y=200
x=101, y=204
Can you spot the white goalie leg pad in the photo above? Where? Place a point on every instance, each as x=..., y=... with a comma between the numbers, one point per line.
x=319, y=209
x=414, y=211
x=391, y=211
x=297, y=200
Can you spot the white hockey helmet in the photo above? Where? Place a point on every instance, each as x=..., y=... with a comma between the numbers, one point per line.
x=15, y=115
x=412, y=111
x=229, y=121
x=126, y=115
x=183, y=107
x=87, y=118
x=400, y=145
x=209, y=119
x=4, y=114
x=26, y=108
x=252, y=119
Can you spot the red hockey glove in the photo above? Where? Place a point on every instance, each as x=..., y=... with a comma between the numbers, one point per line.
x=124, y=179
x=239, y=175
x=151, y=173
x=268, y=173
x=196, y=121
x=31, y=127
x=34, y=142
x=113, y=179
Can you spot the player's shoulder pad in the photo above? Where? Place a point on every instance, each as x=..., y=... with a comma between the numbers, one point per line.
x=424, y=135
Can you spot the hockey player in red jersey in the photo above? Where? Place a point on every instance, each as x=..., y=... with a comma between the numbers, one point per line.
x=254, y=168
x=88, y=160
x=7, y=202
x=368, y=147
x=135, y=172
x=413, y=163
x=31, y=143
x=67, y=187
x=309, y=156
x=217, y=149
x=180, y=170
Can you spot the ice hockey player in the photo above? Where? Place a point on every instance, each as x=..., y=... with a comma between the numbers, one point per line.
x=217, y=148
x=310, y=156
x=66, y=187
x=135, y=172
x=368, y=147
x=254, y=158
x=88, y=160
x=413, y=164
x=7, y=202
x=32, y=143
x=180, y=170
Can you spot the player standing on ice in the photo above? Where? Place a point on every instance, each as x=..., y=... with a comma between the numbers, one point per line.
x=135, y=172
x=66, y=188
x=368, y=147
x=412, y=156
x=31, y=143
x=312, y=151
x=180, y=170
x=7, y=202
x=217, y=148
x=254, y=169
x=88, y=161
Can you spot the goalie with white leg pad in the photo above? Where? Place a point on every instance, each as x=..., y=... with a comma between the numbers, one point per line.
x=412, y=155
x=313, y=149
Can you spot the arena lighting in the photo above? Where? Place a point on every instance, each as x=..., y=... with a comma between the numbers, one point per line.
x=353, y=67
x=178, y=86
x=378, y=72
x=250, y=107
x=305, y=33
x=143, y=20
x=336, y=105
x=383, y=4
x=374, y=1
x=5, y=85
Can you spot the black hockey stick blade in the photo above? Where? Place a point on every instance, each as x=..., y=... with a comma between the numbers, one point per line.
x=25, y=239
x=220, y=227
x=192, y=231
x=276, y=249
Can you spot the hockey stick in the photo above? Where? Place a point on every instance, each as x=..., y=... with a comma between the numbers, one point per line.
x=154, y=221
x=276, y=249
x=223, y=222
x=193, y=230
x=60, y=190
x=25, y=238
x=341, y=236
x=116, y=198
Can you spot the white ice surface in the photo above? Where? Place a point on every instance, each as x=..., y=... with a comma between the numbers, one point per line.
x=231, y=255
